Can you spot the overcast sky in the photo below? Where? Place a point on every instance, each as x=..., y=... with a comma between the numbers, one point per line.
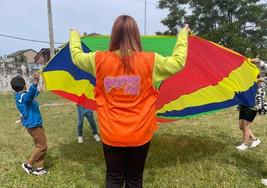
x=28, y=19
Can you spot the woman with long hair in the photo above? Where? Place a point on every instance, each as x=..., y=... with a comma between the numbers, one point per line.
x=125, y=94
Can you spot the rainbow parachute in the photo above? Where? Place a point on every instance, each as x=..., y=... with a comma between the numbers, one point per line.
x=214, y=78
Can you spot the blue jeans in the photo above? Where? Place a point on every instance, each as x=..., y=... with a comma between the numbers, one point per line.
x=83, y=112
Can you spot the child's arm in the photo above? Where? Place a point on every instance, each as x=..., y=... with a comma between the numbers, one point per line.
x=33, y=92
x=164, y=67
x=85, y=61
x=28, y=97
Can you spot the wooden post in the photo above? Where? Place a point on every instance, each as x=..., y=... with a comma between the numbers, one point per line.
x=50, y=27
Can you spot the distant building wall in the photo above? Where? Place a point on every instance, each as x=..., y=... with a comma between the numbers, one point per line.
x=30, y=55
x=8, y=70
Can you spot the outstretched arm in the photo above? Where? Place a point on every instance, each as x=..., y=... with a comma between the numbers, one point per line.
x=164, y=67
x=85, y=61
x=33, y=92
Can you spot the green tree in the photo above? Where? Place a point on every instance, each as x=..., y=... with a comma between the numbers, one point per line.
x=21, y=58
x=237, y=24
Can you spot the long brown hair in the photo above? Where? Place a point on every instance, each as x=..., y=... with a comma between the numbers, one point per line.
x=125, y=37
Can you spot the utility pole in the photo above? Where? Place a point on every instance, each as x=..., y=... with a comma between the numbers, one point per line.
x=145, y=20
x=50, y=27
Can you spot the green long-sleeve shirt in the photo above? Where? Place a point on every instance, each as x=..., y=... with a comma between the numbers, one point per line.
x=164, y=67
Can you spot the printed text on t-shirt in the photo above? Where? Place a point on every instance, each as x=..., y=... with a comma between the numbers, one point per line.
x=130, y=83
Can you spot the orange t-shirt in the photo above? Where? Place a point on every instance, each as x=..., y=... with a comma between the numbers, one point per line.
x=125, y=102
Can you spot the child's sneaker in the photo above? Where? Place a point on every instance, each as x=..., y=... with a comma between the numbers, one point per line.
x=255, y=143
x=28, y=169
x=40, y=171
x=264, y=182
x=242, y=147
x=80, y=139
x=96, y=137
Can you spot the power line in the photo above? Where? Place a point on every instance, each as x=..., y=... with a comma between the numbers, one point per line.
x=29, y=40
x=46, y=42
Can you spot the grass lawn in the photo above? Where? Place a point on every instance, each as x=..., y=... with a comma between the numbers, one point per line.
x=197, y=152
